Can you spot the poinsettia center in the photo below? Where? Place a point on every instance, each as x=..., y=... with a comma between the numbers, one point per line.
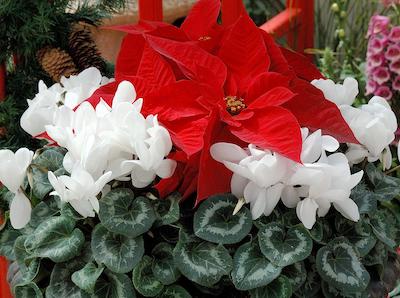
x=234, y=104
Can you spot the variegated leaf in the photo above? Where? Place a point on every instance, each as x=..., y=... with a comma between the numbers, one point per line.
x=61, y=284
x=174, y=291
x=284, y=247
x=122, y=213
x=117, y=252
x=7, y=240
x=214, y=220
x=377, y=256
x=50, y=159
x=113, y=285
x=312, y=286
x=385, y=187
x=365, y=199
x=275, y=216
x=362, y=238
x=167, y=210
x=29, y=290
x=296, y=273
x=202, y=262
x=28, y=264
x=56, y=238
x=143, y=279
x=279, y=288
x=87, y=277
x=338, y=264
x=331, y=292
x=383, y=226
x=164, y=268
x=45, y=209
x=251, y=269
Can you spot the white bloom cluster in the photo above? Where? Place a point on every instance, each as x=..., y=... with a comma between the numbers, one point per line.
x=108, y=143
x=263, y=177
x=69, y=92
x=373, y=124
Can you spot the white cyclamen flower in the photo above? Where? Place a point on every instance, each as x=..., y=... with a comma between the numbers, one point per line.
x=79, y=189
x=340, y=94
x=13, y=168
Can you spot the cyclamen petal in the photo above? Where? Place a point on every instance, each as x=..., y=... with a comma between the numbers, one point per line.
x=20, y=211
x=306, y=212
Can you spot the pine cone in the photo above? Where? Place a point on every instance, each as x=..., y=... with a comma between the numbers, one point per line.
x=83, y=49
x=56, y=63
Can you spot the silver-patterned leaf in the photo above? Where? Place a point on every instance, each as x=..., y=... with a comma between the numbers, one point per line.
x=167, y=210
x=7, y=240
x=45, y=209
x=202, y=262
x=51, y=159
x=56, y=239
x=117, y=252
x=121, y=213
x=365, y=199
x=296, y=273
x=143, y=279
x=362, y=238
x=29, y=290
x=164, y=268
x=61, y=284
x=284, y=247
x=279, y=288
x=338, y=264
x=114, y=285
x=383, y=225
x=174, y=291
x=385, y=187
x=214, y=220
x=87, y=277
x=377, y=256
x=312, y=286
x=28, y=265
x=251, y=269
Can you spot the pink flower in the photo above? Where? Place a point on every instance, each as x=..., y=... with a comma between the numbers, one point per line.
x=395, y=34
x=376, y=60
x=393, y=52
x=378, y=25
x=376, y=45
x=381, y=75
x=396, y=84
x=371, y=87
x=384, y=91
x=390, y=2
x=395, y=67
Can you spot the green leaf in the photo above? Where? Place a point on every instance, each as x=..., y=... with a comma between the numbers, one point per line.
x=114, y=285
x=174, y=291
x=377, y=256
x=202, y=262
x=40, y=183
x=61, y=284
x=7, y=240
x=263, y=220
x=279, y=288
x=164, y=268
x=284, y=247
x=382, y=224
x=51, y=159
x=121, y=213
x=28, y=265
x=30, y=290
x=338, y=264
x=251, y=269
x=296, y=273
x=56, y=239
x=117, y=252
x=362, y=238
x=143, y=279
x=311, y=287
x=167, y=211
x=331, y=292
x=364, y=198
x=87, y=277
x=214, y=220
x=386, y=187
x=44, y=210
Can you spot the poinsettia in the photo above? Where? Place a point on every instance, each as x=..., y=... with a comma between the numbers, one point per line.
x=208, y=83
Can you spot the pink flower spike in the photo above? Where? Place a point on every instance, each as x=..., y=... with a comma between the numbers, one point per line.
x=396, y=84
x=385, y=92
x=371, y=87
x=376, y=45
x=376, y=60
x=393, y=52
x=381, y=75
x=395, y=67
x=378, y=25
x=395, y=34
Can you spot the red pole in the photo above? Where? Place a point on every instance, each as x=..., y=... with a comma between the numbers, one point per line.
x=231, y=11
x=150, y=10
x=303, y=36
x=2, y=81
x=4, y=287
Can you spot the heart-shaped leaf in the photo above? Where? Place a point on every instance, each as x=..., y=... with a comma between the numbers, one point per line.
x=56, y=238
x=362, y=238
x=251, y=269
x=202, y=262
x=113, y=285
x=121, y=213
x=386, y=187
x=28, y=265
x=50, y=159
x=174, y=291
x=167, y=211
x=296, y=273
x=383, y=224
x=279, y=288
x=214, y=220
x=45, y=209
x=87, y=277
x=284, y=247
x=30, y=290
x=163, y=266
x=7, y=240
x=338, y=264
x=365, y=199
x=117, y=252
x=143, y=279
x=377, y=256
